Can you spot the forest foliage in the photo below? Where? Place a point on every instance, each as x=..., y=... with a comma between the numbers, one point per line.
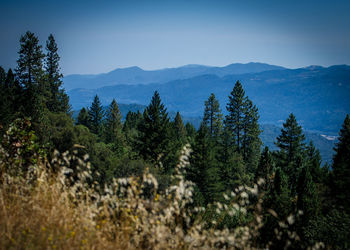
x=216, y=186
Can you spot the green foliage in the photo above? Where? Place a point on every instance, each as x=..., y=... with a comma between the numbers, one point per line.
x=59, y=101
x=212, y=116
x=236, y=110
x=95, y=116
x=19, y=148
x=83, y=117
x=10, y=101
x=341, y=167
x=190, y=131
x=180, y=130
x=154, y=131
x=265, y=168
x=204, y=170
x=291, y=150
x=242, y=126
x=30, y=75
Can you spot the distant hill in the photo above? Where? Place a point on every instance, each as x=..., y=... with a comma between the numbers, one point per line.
x=136, y=75
x=319, y=97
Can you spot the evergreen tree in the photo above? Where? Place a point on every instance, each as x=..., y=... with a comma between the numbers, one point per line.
x=204, y=170
x=95, y=116
x=265, y=168
x=213, y=116
x=154, y=131
x=30, y=75
x=251, y=142
x=180, y=131
x=10, y=101
x=190, y=131
x=313, y=161
x=130, y=129
x=113, y=132
x=58, y=101
x=236, y=110
x=291, y=150
x=232, y=168
x=83, y=117
x=341, y=167
x=308, y=200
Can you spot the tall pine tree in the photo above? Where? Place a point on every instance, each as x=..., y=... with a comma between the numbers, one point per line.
x=30, y=75
x=59, y=101
x=114, y=126
x=291, y=152
x=236, y=110
x=95, y=116
x=213, y=116
x=341, y=167
x=154, y=131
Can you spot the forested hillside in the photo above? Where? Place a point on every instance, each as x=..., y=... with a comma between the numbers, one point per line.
x=149, y=181
x=322, y=92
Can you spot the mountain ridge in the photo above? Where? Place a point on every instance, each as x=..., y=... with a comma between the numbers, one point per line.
x=319, y=97
x=135, y=75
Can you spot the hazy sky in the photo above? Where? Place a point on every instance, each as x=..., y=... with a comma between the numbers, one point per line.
x=99, y=36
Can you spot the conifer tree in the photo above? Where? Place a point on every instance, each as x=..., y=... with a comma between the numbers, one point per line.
x=313, y=161
x=308, y=200
x=113, y=132
x=58, y=98
x=30, y=75
x=213, y=116
x=190, y=131
x=83, y=117
x=204, y=170
x=341, y=167
x=291, y=152
x=251, y=142
x=154, y=131
x=180, y=131
x=236, y=109
x=95, y=116
x=265, y=168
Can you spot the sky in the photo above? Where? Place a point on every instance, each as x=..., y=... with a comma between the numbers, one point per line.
x=99, y=36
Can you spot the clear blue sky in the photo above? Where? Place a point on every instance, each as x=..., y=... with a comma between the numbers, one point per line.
x=99, y=36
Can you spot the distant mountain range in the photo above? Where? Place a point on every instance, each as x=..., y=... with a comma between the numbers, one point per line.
x=318, y=96
x=136, y=75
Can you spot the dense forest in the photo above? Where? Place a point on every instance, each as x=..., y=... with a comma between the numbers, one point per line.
x=218, y=186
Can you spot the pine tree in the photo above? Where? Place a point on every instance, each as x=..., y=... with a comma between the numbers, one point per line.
x=313, y=161
x=204, y=170
x=251, y=142
x=154, y=131
x=30, y=75
x=308, y=200
x=95, y=116
x=236, y=109
x=180, y=131
x=231, y=166
x=59, y=101
x=265, y=168
x=341, y=167
x=213, y=116
x=190, y=131
x=291, y=152
x=113, y=132
x=83, y=117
